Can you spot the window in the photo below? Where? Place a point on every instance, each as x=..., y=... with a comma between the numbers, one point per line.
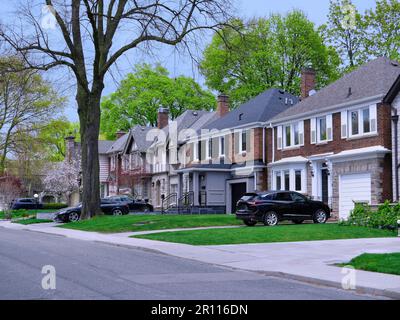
x=278, y=181
x=354, y=123
x=288, y=136
x=298, y=197
x=209, y=150
x=243, y=141
x=362, y=121
x=322, y=129
x=198, y=151
x=266, y=197
x=297, y=175
x=293, y=135
x=222, y=146
x=283, y=196
x=287, y=180
x=112, y=164
x=296, y=134
x=366, y=121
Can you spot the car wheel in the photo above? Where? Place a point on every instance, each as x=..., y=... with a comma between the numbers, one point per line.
x=73, y=217
x=117, y=212
x=320, y=217
x=250, y=223
x=271, y=219
x=297, y=221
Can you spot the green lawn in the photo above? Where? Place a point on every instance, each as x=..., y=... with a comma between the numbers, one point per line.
x=260, y=234
x=111, y=224
x=26, y=213
x=31, y=221
x=384, y=263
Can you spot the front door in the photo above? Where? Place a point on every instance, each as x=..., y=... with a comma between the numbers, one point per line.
x=324, y=185
x=238, y=191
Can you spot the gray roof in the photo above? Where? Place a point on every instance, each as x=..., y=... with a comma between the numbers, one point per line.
x=104, y=145
x=370, y=80
x=139, y=134
x=119, y=144
x=259, y=109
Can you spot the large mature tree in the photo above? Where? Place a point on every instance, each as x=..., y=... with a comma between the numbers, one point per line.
x=26, y=102
x=269, y=52
x=345, y=30
x=383, y=32
x=91, y=36
x=145, y=90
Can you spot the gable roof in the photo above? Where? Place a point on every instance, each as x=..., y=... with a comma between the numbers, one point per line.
x=119, y=144
x=104, y=145
x=259, y=109
x=372, y=80
x=139, y=135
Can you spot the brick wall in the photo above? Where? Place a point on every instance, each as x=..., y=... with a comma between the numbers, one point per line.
x=338, y=144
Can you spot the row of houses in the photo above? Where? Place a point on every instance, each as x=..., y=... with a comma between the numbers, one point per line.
x=338, y=145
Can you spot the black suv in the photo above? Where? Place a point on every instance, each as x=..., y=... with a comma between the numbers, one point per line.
x=274, y=206
x=134, y=204
x=25, y=203
x=108, y=207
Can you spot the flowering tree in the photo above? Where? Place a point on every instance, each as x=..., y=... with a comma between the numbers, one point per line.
x=10, y=188
x=63, y=178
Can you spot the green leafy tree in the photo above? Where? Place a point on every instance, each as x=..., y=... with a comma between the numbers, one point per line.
x=345, y=31
x=267, y=53
x=383, y=36
x=143, y=92
x=51, y=138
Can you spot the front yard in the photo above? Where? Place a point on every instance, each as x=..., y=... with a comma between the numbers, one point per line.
x=384, y=263
x=111, y=224
x=25, y=213
x=260, y=234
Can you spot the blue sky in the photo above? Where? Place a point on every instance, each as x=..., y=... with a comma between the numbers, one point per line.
x=176, y=63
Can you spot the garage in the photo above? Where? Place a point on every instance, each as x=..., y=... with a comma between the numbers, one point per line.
x=353, y=188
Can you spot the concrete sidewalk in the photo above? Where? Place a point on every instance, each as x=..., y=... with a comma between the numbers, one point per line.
x=310, y=261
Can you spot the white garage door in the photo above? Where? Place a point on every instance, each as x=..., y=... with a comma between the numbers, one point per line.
x=353, y=187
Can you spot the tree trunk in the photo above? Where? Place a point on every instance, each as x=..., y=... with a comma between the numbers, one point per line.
x=89, y=115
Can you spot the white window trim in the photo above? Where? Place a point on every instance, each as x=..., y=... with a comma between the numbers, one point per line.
x=220, y=146
x=292, y=135
x=208, y=150
x=292, y=178
x=319, y=130
x=361, y=132
x=241, y=141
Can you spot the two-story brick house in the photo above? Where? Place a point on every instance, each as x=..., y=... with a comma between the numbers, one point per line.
x=227, y=157
x=336, y=144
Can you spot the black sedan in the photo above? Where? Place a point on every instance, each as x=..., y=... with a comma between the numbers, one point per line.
x=73, y=214
x=274, y=206
x=25, y=203
x=134, y=204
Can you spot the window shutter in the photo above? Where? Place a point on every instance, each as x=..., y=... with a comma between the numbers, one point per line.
x=313, y=126
x=203, y=150
x=343, y=126
x=279, y=138
x=191, y=152
x=236, y=138
x=249, y=133
x=215, y=147
x=329, y=127
x=301, y=133
x=373, y=117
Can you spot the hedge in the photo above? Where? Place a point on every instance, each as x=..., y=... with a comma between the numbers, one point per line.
x=54, y=206
x=385, y=217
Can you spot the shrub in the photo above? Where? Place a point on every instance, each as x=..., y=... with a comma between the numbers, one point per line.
x=54, y=206
x=385, y=217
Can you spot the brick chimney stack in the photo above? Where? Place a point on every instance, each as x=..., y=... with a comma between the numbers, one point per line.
x=69, y=148
x=162, y=118
x=223, y=105
x=120, y=134
x=307, y=82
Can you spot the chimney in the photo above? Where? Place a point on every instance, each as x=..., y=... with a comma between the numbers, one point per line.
x=307, y=82
x=162, y=118
x=69, y=148
x=223, y=105
x=120, y=134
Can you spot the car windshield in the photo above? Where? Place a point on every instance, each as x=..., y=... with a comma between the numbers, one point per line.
x=248, y=197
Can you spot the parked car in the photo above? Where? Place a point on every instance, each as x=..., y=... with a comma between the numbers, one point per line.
x=108, y=207
x=134, y=204
x=25, y=203
x=274, y=206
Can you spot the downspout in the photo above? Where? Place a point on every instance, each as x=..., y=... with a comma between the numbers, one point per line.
x=395, y=119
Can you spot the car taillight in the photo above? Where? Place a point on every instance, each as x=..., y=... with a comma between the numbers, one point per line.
x=254, y=203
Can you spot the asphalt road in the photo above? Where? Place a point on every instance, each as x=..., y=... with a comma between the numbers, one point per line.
x=89, y=270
